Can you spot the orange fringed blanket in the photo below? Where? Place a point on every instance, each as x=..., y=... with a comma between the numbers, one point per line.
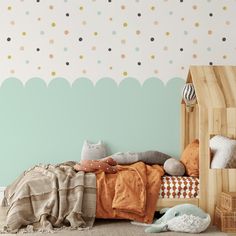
x=131, y=193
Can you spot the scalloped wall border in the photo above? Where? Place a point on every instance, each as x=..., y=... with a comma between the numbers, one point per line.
x=118, y=84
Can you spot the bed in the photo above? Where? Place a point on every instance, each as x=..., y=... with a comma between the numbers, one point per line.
x=132, y=193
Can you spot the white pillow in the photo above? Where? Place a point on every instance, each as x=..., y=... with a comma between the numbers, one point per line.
x=224, y=152
x=93, y=151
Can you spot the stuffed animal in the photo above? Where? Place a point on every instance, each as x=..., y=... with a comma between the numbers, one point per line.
x=186, y=218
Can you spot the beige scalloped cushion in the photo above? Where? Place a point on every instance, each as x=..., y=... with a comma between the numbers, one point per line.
x=190, y=158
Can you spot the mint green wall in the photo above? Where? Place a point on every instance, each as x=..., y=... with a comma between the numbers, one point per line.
x=47, y=124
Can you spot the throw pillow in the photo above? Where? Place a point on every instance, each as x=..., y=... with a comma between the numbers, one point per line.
x=224, y=152
x=174, y=167
x=190, y=158
x=107, y=165
x=93, y=151
x=148, y=157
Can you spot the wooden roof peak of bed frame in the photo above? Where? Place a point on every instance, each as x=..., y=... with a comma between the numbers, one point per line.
x=215, y=86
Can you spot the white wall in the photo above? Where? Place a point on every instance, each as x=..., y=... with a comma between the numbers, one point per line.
x=185, y=32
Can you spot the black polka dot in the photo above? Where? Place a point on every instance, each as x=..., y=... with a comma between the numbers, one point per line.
x=109, y=0
x=67, y=14
x=109, y=49
x=181, y=49
x=210, y=14
x=37, y=0
x=152, y=39
x=139, y=14
x=210, y=63
x=67, y=63
x=181, y=0
x=223, y=39
x=80, y=39
x=139, y=63
x=8, y=39
x=37, y=49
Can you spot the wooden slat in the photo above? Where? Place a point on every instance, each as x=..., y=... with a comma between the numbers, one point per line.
x=199, y=81
x=169, y=202
x=225, y=180
x=216, y=95
x=217, y=121
x=225, y=85
x=184, y=128
x=231, y=129
x=230, y=72
x=203, y=156
x=231, y=122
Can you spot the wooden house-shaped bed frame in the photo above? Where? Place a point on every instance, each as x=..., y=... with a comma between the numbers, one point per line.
x=213, y=114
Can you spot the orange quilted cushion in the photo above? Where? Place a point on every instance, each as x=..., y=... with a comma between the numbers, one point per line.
x=190, y=158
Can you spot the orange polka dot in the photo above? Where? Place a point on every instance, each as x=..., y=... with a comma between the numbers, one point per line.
x=209, y=32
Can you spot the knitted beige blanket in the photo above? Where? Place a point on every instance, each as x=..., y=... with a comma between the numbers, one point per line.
x=48, y=197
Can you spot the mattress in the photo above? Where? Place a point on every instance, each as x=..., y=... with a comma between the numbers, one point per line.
x=179, y=187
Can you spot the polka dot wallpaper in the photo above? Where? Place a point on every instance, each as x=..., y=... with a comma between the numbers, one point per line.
x=114, y=38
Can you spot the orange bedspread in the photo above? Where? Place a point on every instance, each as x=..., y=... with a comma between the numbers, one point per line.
x=131, y=193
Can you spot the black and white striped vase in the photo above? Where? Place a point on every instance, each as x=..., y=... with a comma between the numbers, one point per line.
x=189, y=96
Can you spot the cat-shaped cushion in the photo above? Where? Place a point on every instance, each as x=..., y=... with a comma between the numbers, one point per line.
x=93, y=151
